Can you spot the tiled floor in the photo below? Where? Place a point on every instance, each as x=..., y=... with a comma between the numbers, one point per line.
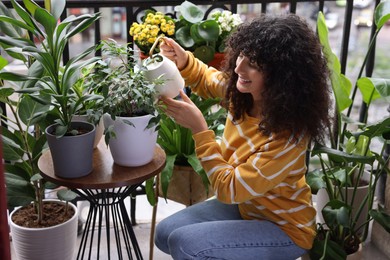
x=143, y=228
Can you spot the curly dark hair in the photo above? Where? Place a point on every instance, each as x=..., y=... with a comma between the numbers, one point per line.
x=296, y=95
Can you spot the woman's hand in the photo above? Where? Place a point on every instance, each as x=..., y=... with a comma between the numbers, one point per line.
x=173, y=51
x=185, y=113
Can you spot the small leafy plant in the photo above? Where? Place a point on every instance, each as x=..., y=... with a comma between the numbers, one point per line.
x=125, y=90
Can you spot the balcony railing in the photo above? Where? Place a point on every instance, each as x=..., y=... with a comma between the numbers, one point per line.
x=132, y=10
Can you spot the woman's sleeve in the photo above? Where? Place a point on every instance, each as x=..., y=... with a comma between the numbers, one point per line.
x=205, y=81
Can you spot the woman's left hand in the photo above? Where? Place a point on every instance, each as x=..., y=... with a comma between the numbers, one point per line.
x=185, y=113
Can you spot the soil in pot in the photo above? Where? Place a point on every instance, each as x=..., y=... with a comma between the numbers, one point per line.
x=53, y=214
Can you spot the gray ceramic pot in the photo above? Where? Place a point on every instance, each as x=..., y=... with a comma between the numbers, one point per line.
x=72, y=155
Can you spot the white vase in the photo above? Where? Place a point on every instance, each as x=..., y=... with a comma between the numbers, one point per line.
x=134, y=144
x=99, y=127
x=57, y=242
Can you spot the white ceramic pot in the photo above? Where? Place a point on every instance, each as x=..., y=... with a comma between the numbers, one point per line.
x=133, y=145
x=99, y=127
x=57, y=242
x=361, y=192
x=158, y=66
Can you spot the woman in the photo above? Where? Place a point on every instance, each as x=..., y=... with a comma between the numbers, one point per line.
x=275, y=88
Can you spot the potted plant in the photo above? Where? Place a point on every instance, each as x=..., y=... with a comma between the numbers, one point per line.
x=183, y=179
x=44, y=96
x=349, y=154
x=50, y=83
x=35, y=220
x=130, y=106
x=155, y=24
x=205, y=38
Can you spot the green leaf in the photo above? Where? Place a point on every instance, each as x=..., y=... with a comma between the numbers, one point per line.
x=204, y=53
x=12, y=151
x=183, y=36
x=341, y=85
x=191, y=12
x=382, y=13
x=66, y=194
x=315, y=180
x=166, y=173
x=8, y=29
x=380, y=216
x=149, y=189
x=336, y=213
x=373, y=88
x=208, y=30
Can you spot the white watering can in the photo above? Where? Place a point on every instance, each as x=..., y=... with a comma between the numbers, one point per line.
x=158, y=65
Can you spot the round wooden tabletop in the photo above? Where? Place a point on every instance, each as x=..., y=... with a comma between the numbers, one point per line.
x=105, y=174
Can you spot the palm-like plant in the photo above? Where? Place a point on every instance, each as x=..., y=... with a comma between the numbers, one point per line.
x=43, y=95
x=48, y=81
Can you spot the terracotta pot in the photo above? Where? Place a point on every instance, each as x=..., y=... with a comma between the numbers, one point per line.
x=57, y=242
x=217, y=61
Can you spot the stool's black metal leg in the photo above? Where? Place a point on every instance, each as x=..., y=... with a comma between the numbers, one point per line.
x=133, y=201
x=130, y=230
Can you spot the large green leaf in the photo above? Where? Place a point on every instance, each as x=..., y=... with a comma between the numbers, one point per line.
x=374, y=88
x=183, y=36
x=208, y=30
x=191, y=12
x=341, y=85
x=341, y=156
x=337, y=213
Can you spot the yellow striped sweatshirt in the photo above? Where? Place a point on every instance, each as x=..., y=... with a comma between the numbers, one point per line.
x=263, y=174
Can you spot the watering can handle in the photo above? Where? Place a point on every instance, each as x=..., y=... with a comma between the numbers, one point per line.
x=155, y=44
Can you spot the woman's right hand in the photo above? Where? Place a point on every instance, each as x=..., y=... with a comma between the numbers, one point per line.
x=173, y=51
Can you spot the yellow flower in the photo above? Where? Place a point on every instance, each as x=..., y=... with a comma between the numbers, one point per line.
x=154, y=25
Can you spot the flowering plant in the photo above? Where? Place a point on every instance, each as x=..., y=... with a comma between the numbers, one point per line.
x=154, y=25
x=227, y=22
x=204, y=37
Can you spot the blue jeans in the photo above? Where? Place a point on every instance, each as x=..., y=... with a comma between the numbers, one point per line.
x=213, y=230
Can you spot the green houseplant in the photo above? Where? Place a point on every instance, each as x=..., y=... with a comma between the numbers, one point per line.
x=350, y=153
x=37, y=40
x=129, y=105
x=179, y=147
x=48, y=81
x=203, y=37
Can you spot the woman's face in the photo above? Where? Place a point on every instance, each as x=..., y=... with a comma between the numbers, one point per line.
x=250, y=77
